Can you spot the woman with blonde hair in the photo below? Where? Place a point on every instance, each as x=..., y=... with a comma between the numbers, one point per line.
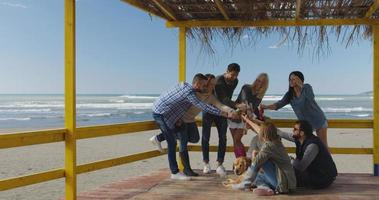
x=278, y=175
x=248, y=101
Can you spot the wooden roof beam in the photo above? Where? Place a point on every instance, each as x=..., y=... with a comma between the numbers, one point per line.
x=372, y=9
x=222, y=9
x=298, y=9
x=270, y=23
x=165, y=9
x=138, y=5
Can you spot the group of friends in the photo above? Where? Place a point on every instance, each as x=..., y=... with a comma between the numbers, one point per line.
x=272, y=171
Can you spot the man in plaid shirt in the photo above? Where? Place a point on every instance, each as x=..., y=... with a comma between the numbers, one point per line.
x=170, y=107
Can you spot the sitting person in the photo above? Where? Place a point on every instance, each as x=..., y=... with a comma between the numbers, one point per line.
x=278, y=175
x=255, y=146
x=314, y=166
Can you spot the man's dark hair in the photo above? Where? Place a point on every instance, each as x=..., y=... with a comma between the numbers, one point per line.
x=199, y=77
x=210, y=76
x=305, y=126
x=234, y=67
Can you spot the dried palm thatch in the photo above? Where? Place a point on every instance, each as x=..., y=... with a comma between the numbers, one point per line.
x=316, y=36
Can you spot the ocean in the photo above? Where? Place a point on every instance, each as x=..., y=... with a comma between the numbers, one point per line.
x=31, y=112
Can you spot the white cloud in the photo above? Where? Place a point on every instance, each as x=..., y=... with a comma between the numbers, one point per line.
x=16, y=5
x=273, y=47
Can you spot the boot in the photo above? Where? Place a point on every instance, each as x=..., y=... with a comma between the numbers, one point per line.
x=235, y=149
x=186, y=164
x=239, y=151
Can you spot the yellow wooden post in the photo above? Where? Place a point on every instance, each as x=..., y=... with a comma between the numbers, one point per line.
x=376, y=98
x=70, y=101
x=182, y=67
x=182, y=54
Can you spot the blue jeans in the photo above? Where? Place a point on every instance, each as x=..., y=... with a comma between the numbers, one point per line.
x=268, y=177
x=169, y=134
x=188, y=132
x=221, y=126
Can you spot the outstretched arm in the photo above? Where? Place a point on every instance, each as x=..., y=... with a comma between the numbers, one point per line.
x=279, y=104
x=270, y=107
x=254, y=124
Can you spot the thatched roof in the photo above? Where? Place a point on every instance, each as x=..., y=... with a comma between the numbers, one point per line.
x=271, y=16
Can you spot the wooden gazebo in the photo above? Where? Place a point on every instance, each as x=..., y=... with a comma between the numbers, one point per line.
x=203, y=17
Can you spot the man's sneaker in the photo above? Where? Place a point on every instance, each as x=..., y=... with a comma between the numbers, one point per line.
x=221, y=171
x=207, y=169
x=179, y=176
x=246, y=184
x=156, y=143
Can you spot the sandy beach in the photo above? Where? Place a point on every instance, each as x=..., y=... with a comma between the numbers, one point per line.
x=32, y=159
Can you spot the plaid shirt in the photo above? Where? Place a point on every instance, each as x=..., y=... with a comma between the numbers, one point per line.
x=175, y=102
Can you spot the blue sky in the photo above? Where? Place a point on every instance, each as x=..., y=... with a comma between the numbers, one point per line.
x=120, y=49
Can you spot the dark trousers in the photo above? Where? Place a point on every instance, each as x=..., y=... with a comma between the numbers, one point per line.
x=221, y=125
x=188, y=132
x=169, y=135
x=305, y=179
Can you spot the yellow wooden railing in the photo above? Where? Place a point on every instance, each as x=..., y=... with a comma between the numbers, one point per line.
x=58, y=135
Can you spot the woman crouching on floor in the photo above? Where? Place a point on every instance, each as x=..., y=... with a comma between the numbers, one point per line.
x=271, y=170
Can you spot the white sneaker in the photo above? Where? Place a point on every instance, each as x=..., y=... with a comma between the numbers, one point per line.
x=207, y=169
x=241, y=186
x=221, y=171
x=156, y=143
x=179, y=176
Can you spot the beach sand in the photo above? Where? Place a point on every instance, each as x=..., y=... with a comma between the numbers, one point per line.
x=37, y=158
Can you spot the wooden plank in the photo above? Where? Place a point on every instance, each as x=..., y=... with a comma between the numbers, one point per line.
x=31, y=138
x=334, y=150
x=70, y=99
x=6, y=184
x=333, y=123
x=114, y=129
x=158, y=186
x=165, y=9
x=372, y=9
x=298, y=9
x=116, y=161
x=182, y=54
x=222, y=9
x=269, y=23
x=57, y=135
x=376, y=98
x=140, y=6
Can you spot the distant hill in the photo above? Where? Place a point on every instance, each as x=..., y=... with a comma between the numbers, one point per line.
x=366, y=93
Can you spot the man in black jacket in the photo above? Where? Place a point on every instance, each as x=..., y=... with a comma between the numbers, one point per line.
x=314, y=166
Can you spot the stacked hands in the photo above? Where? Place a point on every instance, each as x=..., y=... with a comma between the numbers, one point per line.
x=242, y=109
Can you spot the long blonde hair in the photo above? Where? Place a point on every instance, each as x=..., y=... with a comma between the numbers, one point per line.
x=269, y=132
x=262, y=91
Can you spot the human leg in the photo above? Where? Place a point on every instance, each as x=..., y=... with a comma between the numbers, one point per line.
x=322, y=134
x=222, y=126
x=183, y=151
x=205, y=136
x=171, y=142
x=239, y=149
